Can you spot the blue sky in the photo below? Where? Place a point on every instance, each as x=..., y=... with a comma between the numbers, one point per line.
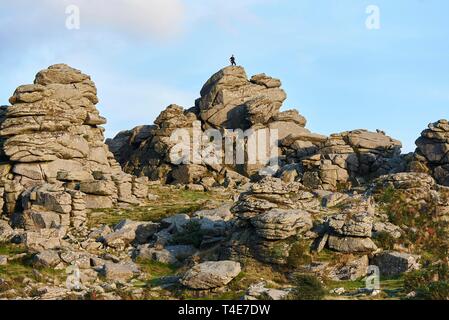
x=145, y=55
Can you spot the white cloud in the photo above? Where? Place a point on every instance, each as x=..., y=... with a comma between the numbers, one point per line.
x=160, y=19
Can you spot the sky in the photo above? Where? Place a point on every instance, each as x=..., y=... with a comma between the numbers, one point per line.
x=339, y=73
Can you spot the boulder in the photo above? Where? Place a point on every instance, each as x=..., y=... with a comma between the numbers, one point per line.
x=278, y=224
x=172, y=255
x=44, y=239
x=211, y=275
x=351, y=244
x=46, y=259
x=350, y=271
x=227, y=95
x=6, y=232
x=392, y=263
x=259, y=291
x=119, y=271
x=272, y=193
x=128, y=231
x=355, y=220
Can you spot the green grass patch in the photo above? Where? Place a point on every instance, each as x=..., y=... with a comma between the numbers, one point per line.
x=170, y=202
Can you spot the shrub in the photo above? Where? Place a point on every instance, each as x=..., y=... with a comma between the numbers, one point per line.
x=431, y=283
x=299, y=255
x=307, y=287
x=385, y=241
x=425, y=231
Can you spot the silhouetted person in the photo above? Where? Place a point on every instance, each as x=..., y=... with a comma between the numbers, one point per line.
x=233, y=61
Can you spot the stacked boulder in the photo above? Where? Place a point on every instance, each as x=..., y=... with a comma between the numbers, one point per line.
x=228, y=100
x=55, y=164
x=432, y=153
x=352, y=157
x=272, y=215
x=350, y=230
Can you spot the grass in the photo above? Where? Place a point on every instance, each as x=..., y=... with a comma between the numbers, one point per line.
x=171, y=201
x=392, y=289
x=17, y=270
x=156, y=270
x=8, y=249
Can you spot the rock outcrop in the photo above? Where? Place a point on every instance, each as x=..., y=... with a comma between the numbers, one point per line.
x=432, y=153
x=351, y=158
x=55, y=164
x=229, y=100
x=271, y=215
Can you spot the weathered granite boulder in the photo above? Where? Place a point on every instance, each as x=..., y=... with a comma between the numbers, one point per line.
x=172, y=255
x=351, y=244
x=273, y=193
x=128, y=231
x=6, y=232
x=46, y=259
x=352, y=270
x=211, y=275
x=278, y=224
x=355, y=220
x=392, y=263
x=119, y=271
x=230, y=100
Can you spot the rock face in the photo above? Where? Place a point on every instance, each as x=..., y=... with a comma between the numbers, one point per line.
x=432, y=153
x=352, y=158
x=54, y=161
x=211, y=275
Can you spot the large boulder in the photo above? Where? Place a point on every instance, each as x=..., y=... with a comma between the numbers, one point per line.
x=211, y=275
x=278, y=224
x=273, y=193
x=392, y=263
x=351, y=244
x=230, y=100
x=355, y=220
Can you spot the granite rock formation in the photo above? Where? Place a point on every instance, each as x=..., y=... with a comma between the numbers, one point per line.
x=54, y=163
x=432, y=153
x=229, y=100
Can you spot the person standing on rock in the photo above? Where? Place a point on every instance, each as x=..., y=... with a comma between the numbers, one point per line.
x=232, y=59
